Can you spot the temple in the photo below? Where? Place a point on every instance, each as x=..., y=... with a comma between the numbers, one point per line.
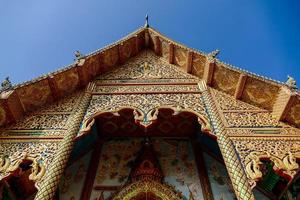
x=147, y=118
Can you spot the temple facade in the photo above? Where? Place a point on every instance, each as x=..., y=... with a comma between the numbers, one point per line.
x=147, y=118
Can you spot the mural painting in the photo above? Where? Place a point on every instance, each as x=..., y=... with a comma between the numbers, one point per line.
x=220, y=182
x=175, y=156
x=73, y=179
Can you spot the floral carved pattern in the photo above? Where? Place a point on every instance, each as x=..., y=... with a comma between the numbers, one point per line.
x=227, y=102
x=156, y=68
x=146, y=88
x=282, y=153
x=41, y=122
x=145, y=102
x=250, y=119
x=14, y=153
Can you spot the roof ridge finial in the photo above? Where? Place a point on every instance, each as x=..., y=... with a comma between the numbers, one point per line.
x=214, y=53
x=6, y=85
x=291, y=82
x=146, y=21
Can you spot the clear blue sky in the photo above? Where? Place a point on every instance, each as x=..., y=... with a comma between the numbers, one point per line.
x=261, y=36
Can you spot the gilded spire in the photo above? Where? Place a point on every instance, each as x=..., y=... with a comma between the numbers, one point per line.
x=146, y=22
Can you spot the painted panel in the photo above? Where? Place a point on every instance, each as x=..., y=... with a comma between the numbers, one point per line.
x=260, y=93
x=35, y=95
x=175, y=156
x=180, y=56
x=198, y=65
x=72, y=182
x=219, y=179
x=179, y=167
x=67, y=81
x=293, y=116
x=225, y=79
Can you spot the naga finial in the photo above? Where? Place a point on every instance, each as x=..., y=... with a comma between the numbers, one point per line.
x=291, y=82
x=78, y=55
x=5, y=85
x=214, y=53
x=146, y=22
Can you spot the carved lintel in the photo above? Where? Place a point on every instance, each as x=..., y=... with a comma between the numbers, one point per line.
x=240, y=86
x=209, y=71
x=171, y=53
x=157, y=45
x=189, y=62
x=283, y=103
x=53, y=87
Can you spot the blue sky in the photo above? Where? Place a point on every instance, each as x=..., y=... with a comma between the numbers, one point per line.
x=261, y=36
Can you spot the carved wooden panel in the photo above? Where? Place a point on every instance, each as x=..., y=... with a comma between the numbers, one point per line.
x=198, y=65
x=225, y=79
x=260, y=93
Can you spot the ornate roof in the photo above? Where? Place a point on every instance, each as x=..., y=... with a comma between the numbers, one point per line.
x=283, y=101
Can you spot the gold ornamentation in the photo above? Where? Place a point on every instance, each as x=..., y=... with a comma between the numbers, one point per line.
x=260, y=93
x=180, y=56
x=14, y=153
x=145, y=89
x=164, y=191
x=41, y=122
x=233, y=164
x=35, y=95
x=227, y=102
x=67, y=81
x=145, y=102
x=157, y=68
x=282, y=153
x=52, y=176
x=250, y=119
x=146, y=107
x=295, y=113
x=225, y=79
x=199, y=62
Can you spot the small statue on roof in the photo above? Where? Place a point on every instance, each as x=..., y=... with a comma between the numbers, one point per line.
x=291, y=82
x=214, y=53
x=6, y=85
x=78, y=55
x=80, y=58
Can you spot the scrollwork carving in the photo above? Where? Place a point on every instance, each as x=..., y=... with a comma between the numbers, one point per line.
x=282, y=153
x=39, y=153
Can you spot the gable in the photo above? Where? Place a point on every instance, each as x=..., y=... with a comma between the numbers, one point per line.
x=248, y=87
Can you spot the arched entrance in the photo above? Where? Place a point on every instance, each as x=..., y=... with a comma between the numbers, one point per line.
x=171, y=130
